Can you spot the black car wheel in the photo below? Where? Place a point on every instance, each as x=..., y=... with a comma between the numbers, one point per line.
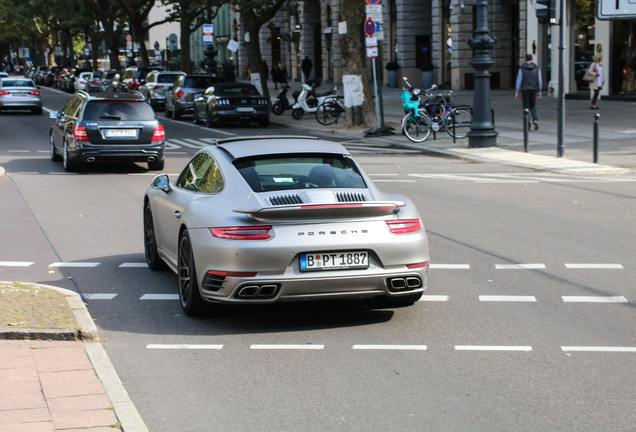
x=69, y=165
x=54, y=156
x=150, y=241
x=189, y=295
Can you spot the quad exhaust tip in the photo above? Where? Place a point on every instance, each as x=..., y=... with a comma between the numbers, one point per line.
x=407, y=283
x=258, y=291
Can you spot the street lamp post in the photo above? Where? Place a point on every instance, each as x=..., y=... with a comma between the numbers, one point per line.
x=482, y=131
x=210, y=50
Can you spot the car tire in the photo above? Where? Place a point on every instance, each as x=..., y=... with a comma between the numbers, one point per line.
x=176, y=114
x=168, y=111
x=156, y=165
x=69, y=165
x=189, y=295
x=54, y=156
x=195, y=116
x=150, y=242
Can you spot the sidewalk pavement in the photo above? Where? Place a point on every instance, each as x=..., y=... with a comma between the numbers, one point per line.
x=61, y=381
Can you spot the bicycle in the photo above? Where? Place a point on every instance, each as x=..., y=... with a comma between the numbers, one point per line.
x=330, y=110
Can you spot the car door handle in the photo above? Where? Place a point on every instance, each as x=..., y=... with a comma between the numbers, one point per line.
x=177, y=214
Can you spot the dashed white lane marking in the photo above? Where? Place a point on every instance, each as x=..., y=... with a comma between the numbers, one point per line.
x=519, y=266
x=594, y=266
x=16, y=263
x=594, y=299
x=74, y=264
x=391, y=347
x=185, y=346
x=450, y=266
x=507, y=298
x=493, y=348
x=434, y=298
x=286, y=347
x=100, y=296
x=133, y=265
x=598, y=349
x=159, y=297
x=18, y=151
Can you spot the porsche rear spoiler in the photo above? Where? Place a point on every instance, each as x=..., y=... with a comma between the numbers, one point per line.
x=325, y=211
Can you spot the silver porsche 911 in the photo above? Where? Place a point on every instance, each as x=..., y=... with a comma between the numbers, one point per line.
x=283, y=218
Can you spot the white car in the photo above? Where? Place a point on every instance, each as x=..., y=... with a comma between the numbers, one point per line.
x=81, y=80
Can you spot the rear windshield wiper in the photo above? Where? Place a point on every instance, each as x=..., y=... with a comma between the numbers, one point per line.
x=111, y=117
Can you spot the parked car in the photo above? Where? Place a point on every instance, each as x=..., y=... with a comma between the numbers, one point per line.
x=134, y=77
x=20, y=94
x=107, y=79
x=231, y=102
x=180, y=98
x=106, y=127
x=93, y=85
x=156, y=85
x=4, y=75
x=81, y=80
x=273, y=219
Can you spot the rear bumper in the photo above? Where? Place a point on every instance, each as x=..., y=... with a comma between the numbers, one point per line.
x=89, y=154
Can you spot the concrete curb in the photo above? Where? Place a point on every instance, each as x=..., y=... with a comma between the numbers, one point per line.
x=87, y=329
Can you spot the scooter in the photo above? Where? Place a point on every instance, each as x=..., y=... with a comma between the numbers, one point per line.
x=308, y=100
x=281, y=104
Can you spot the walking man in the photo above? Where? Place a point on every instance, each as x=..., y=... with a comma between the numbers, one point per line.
x=529, y=84
x=306, y=66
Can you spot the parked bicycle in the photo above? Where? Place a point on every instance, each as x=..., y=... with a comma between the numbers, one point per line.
x=434, y=114
x=330, y=109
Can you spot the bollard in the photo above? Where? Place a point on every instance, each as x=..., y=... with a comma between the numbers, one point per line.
x=526, y=119
x=596, y=117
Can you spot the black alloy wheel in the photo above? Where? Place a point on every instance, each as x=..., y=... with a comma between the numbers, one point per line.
x=189, y=295
x=54, y=156
x=69, y=165
x=150, y=241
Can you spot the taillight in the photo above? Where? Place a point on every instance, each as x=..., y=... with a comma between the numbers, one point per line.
x=404, y=226
x=243, y=233
x=134, y=84
x=159, y=133
x=4, y=93
x=418, y=265
x=79, y=133
x=180, y=94
x=230, y=274
x=34, y=92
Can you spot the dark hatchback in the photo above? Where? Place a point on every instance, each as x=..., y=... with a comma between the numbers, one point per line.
x=231, y=102
x=107, y=127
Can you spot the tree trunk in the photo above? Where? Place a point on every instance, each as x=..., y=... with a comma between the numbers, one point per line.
x=354, y=60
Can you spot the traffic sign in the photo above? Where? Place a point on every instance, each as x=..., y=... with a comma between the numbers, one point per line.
x=615, y=9
x=373, y=2
x=172, y=42
x=208, y=34
x=369, y=27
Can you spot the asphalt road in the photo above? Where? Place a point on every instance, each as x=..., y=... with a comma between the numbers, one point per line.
x=527, y=323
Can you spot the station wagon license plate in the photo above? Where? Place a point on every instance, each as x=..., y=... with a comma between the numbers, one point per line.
x=120, y=133
x=334, y=261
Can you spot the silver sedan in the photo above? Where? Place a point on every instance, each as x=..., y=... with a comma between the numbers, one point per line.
x=269, y=219
x=20, y=94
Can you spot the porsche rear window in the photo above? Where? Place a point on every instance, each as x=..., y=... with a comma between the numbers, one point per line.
x=118, y=110
x=276, y=173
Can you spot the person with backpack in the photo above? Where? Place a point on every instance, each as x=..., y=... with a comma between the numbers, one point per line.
x=529, y=85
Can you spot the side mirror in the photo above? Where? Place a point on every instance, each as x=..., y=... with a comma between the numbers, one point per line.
x=161, y=182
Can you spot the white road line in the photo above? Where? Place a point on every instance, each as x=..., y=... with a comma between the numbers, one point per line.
x=134, y=265
x=506, y=298
x=15, y=263
x=598, y=349
x=492, y=348
x=434, y=298
x=100, y=296
x=185, y=346
x=519, y=266
x=450, y=266
x=391, y=347
x=74, y=264
x=28, y=172
x=594, y=266
x=159, y=297
x=286, y=347
x=594, y=299
x=18, y=151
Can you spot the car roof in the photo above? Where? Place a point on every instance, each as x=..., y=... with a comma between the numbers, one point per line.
x=276, y=145
x=136, y=96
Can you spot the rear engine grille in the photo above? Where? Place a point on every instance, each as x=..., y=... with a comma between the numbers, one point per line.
x=286, y=199
x=213, y=282
x=349, y=196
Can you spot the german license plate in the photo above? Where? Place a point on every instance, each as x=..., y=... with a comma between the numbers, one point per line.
x=334, y=261
x=245, y=109
x=120, y=133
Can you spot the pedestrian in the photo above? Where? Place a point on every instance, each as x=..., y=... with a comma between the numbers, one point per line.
x=281, y=78
x=529, y=84
x=275, y=74
x=597, y=84
x=306, y=66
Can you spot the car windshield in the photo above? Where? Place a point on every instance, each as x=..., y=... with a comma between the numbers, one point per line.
x=167, y=79
x=273, y=173
x=199, y=82
x=118, y=110
x=17, y=83
x=237, y=91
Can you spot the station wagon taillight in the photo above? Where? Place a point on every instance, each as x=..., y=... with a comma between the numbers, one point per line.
x=79, y=133
x=159, y=133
